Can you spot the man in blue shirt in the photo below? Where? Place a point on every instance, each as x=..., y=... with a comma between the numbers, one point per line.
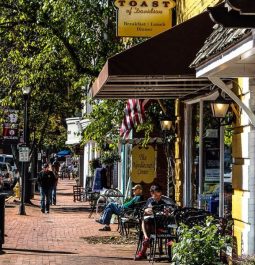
x=115, y=208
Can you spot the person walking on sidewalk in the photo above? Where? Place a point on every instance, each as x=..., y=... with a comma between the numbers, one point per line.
x=54, y=168
x=46, y=180
x=115, y=208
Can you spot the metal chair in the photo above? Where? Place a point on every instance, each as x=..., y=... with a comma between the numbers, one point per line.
x=130, y=218
x=164, y=233
x=140, y=231
x=93, y=202
x=78, y=193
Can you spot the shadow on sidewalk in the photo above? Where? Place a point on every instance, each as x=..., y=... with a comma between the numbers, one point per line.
x=65, y=194
x=114, y=258
x=71, y=209
x=37, y=251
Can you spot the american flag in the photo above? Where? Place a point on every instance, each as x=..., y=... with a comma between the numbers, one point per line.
x=134, y=115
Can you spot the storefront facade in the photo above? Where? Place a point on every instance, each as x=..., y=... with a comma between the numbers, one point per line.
x=234, y=59
x=163, y=77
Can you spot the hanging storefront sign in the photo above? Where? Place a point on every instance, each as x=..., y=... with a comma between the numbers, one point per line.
x=10, y=125
x=143, y=164
x=73, y=130
x=143, y=18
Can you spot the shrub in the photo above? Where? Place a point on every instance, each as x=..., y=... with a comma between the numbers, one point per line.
x=199, y=245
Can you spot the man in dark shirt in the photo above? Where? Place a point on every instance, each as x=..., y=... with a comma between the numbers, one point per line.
x=46, y=181
x=156, y=199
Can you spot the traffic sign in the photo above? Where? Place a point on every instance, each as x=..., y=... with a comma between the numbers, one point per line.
x=24, y=154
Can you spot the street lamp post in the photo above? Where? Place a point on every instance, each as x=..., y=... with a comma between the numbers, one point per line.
x=26, y=91
x=219, y=109
x=168, y=135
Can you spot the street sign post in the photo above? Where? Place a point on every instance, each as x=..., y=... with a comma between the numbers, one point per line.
x=24, y=154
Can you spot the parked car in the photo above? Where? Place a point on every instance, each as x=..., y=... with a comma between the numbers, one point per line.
x=7, y=174
x=8, y=159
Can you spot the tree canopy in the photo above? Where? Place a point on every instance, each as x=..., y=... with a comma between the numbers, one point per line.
x=57, y=48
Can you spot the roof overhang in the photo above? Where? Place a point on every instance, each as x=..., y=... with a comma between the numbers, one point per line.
x=236, y=61
x=245, y=7
x=159, y=67
x=231, y=18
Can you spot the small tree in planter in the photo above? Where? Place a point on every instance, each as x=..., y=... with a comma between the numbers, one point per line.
x=199, y=245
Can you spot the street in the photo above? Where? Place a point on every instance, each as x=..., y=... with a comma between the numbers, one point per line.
x=57, y=238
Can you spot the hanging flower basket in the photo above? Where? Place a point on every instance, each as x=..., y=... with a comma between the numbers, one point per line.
x=110, y=157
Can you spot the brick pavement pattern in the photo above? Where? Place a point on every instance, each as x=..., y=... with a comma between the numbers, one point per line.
x=57, y=238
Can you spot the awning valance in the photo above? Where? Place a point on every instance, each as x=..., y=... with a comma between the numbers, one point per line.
x=158, y=67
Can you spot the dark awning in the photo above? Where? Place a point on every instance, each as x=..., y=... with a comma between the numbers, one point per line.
x=158, y=67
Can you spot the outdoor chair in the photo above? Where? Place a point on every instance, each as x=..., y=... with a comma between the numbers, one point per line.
x=110, y=195
x=78, y=193
x=93, y=201
x=99, y=201
x=164, y=233
x=130, y=218
x=140, y=231
x=182, y=214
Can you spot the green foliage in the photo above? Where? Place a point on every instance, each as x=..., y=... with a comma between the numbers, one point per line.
x=56, y=47
x=109, y=157
x=153, y=115
x=199, y=245
x=105, y=120
x=146, y=127
x=93, y=164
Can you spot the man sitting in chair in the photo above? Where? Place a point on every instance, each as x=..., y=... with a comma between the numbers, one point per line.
x=115, y=208
x=156, y=199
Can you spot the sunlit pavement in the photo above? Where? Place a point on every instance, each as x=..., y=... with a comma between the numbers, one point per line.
x=58, y=237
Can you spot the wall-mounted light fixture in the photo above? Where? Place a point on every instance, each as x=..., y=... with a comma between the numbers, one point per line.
x=168, y=134
x=166, y=124
x=220, y=107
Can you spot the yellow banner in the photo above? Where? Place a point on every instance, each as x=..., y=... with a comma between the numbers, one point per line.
x=143, y=18
x=143, y=164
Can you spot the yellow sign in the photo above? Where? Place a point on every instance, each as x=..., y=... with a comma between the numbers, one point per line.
x=143, y=164
x=143, y=18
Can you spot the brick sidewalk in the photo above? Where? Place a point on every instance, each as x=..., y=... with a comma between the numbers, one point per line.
x=57, y=238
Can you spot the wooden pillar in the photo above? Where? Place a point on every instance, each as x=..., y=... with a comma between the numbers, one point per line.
x=178, y=154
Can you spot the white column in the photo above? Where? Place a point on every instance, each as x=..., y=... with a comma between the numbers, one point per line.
x=86, y=164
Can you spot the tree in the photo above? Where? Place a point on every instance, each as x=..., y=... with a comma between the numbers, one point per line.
x=56, y=47
x=105, y=120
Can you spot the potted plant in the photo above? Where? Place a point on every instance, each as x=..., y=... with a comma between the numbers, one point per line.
x=200, y=244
